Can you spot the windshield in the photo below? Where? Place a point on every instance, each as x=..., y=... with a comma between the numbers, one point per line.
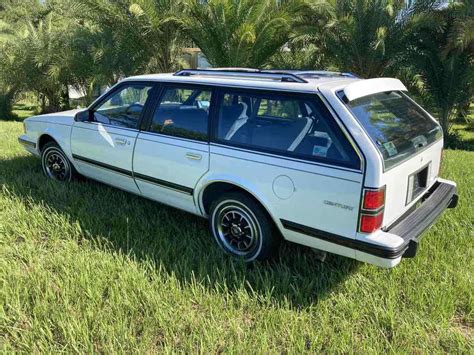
x=398, y=126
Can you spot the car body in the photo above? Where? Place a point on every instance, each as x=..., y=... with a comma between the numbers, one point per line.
x=341, y=164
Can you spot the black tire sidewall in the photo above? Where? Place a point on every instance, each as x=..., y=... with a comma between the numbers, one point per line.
x=53, y=147
x=267, y=238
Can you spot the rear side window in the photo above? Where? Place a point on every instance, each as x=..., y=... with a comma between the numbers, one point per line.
x=289, y=125
x=398, y=127
x=183, y=112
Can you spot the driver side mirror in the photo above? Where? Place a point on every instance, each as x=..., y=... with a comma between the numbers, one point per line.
x=83, y=116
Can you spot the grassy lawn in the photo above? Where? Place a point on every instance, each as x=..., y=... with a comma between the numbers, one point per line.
x=85, y=267
x=23, y=110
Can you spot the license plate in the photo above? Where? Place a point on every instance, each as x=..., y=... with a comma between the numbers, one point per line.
x=417, y=183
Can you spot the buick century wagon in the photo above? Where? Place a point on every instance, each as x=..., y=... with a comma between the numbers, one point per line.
x=323, y=159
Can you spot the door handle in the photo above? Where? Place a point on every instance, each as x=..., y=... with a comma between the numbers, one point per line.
x=121, y=141
x=193, y=156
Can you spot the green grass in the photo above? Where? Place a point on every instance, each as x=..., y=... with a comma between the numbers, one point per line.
x=85, y=267
x=24, y=110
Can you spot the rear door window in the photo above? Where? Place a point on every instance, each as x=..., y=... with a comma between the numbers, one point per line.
x=183, y=112
x=285, y=124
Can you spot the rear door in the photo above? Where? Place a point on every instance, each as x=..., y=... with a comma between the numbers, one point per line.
x=172, y=154
x=102, y=147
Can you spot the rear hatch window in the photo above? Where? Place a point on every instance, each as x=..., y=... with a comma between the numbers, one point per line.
x=396, y=124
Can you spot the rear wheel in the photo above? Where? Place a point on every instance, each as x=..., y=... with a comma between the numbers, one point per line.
x=242, y=228
x=55, y=163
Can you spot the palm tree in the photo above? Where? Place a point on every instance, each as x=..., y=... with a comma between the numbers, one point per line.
x=162, y=36
x=20, y=11
x=441, y=56
x=240, y=33
x=14, y=14
x=7, y=92
x=304, y=50
x=32, y=62
x=299, y=53
x=7, y=95
x=366, y=36
x=132, y=36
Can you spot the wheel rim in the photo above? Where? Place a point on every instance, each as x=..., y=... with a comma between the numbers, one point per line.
x=56, y=166
x=237, y=230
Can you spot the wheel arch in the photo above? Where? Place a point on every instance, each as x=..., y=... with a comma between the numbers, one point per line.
x=44, y=139
x=59, y=136
x=212, y=189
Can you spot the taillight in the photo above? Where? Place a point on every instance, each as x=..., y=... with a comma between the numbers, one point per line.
x=374, y=199
x=371, y=214
x=370, y=223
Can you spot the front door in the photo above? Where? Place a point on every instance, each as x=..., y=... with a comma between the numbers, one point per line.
x=102, y=147
x=173, y=154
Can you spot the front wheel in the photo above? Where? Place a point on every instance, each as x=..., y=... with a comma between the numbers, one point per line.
x=242, y=228
x=55, y=163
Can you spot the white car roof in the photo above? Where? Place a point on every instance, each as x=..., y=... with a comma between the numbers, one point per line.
x=283, y=80
x=311, y=85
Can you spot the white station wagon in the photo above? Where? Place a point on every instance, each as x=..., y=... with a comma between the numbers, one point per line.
x=327, y=160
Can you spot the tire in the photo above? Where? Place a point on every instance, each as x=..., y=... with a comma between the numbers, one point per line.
x=56, y=164
x=242, y=228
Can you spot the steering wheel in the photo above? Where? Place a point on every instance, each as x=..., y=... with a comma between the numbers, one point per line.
x=129, y=108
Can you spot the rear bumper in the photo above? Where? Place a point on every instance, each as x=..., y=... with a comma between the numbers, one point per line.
x=399, y=240
x=389, y=245
x=410, y=226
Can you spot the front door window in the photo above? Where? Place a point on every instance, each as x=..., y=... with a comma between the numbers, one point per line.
x=123, y=108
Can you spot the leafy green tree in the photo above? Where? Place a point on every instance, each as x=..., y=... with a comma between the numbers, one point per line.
x=240, y=33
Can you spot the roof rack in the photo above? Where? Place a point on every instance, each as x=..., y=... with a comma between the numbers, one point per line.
x=324, y=73
x=283, y=76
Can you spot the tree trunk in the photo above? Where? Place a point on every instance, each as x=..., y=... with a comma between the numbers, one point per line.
x=6, y=105
x=65, y=98
x=43, y=102
x=54, y=102
x=444, y=121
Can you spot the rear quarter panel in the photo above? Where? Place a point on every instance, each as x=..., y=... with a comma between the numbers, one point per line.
x=303, y=193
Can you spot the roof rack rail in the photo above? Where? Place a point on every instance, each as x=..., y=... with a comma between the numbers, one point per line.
x=324, y=73
x=283, y=76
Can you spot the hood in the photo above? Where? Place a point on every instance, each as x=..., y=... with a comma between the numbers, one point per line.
x=65, y=117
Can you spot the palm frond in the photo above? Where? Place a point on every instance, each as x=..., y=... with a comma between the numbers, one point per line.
x=240, y=33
